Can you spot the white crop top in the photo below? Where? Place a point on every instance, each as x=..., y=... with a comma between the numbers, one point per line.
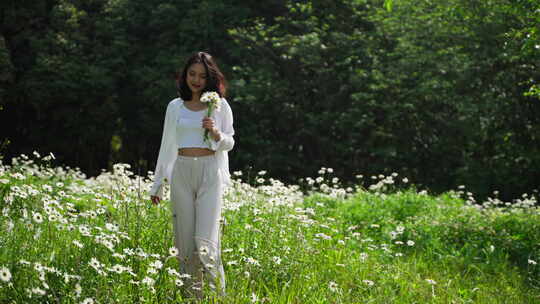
x=189, y=130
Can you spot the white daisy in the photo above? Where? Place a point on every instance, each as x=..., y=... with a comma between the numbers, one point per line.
x=94, y=263
x=368, y=282
x=5, y=274
x=203, y=250
x=38, y=218
x=38, y=267
x=185, y=275
x=118, y=255
x=173, y=251
x=254, y=298
x=77, y=243
x=148, y=281
x=78, y=290
x=171, y=271
x=111, y=227
x=156, y=264
x=333, y=286
x=88, y=301
x=252, y=261
x=39, y=291
x=363, y=256
x=118, y=268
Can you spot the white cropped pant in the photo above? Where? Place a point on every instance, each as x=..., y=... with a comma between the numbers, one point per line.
x=196, y=202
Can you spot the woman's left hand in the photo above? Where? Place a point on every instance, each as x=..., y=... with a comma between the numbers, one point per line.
x=208, y=123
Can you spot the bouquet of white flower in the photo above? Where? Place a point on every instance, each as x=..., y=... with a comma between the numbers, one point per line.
x=214, y=102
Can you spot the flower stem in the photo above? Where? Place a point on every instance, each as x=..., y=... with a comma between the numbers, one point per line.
x=208, y=114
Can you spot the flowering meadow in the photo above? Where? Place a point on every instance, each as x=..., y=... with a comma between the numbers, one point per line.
x=67, y=238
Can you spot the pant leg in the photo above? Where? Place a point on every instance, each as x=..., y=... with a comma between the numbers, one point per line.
x=196, y=197
x=183, y=216
x=208, y=207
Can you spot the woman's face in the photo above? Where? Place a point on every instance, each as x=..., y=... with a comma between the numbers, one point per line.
x=196, y=78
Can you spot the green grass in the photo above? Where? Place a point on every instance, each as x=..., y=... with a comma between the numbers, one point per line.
x=387, y=244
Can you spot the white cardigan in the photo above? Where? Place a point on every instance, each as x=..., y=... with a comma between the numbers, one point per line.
x=168, y=151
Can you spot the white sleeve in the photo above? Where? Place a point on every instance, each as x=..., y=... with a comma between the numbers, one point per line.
x=226, y=142
x=166, y=155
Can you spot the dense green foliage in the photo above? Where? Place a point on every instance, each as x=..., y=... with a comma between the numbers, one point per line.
x=443, y=92
x=66, y=238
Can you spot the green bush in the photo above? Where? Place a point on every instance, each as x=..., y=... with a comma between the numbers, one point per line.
x=448, y=225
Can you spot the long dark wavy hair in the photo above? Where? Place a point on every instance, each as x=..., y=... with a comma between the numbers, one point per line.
x=215, y=81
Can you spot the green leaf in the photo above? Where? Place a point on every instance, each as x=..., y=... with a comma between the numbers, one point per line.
x=388, y=5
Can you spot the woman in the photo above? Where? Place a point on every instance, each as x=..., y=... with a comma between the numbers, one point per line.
x=197, y=169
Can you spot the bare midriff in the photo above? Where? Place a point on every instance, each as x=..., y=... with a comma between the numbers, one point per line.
x=195, y=152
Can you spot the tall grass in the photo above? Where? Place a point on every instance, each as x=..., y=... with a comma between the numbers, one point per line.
x=66, y=238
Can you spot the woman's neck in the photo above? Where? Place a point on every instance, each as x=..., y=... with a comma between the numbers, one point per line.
x=195, y=103
x=196, y=98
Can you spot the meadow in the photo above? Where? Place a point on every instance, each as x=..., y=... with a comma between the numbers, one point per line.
x=67, y=238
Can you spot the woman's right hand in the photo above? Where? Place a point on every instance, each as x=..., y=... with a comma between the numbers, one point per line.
x=155, y=199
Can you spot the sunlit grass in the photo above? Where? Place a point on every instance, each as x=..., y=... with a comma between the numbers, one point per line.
x=66, y=238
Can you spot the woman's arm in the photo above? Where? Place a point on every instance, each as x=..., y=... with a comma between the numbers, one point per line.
x=226, y=130
x=166, y=153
